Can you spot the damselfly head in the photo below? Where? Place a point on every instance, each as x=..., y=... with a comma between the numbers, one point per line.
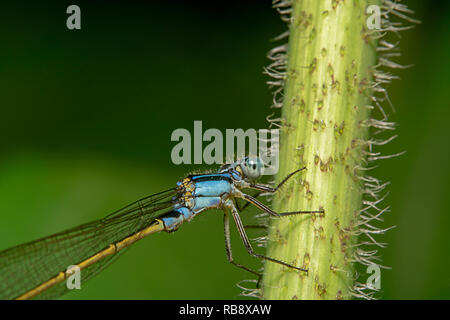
x=252, y=167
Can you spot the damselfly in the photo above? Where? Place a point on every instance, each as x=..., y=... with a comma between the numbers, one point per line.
x=39, y=269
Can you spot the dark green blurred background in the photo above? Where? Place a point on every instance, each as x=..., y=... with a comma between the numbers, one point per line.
x=86, y=118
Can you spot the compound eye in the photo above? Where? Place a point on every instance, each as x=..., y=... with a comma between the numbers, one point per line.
x=253, y=168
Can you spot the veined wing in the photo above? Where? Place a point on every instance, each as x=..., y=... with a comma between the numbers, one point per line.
x=27, y=266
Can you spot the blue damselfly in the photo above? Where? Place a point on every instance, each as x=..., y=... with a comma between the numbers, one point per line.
x=38, y=269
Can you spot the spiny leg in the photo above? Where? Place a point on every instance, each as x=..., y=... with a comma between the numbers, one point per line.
x=255, y=226
x=268, y=189
x=266, y=209
x=248, y=246
x=250, y=226
x=226, y=224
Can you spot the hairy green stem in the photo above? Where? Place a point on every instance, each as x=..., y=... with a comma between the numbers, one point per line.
x=327, y=90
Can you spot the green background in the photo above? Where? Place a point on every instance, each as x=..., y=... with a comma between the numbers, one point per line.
x=86, y=119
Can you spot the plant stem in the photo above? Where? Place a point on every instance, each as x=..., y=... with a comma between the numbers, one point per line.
x=327, y=90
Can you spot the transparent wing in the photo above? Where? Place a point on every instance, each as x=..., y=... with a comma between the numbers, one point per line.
x=26, y=266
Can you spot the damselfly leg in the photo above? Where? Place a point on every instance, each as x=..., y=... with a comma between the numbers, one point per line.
x=232, y=205
x=226, y=224
x=268, y=189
